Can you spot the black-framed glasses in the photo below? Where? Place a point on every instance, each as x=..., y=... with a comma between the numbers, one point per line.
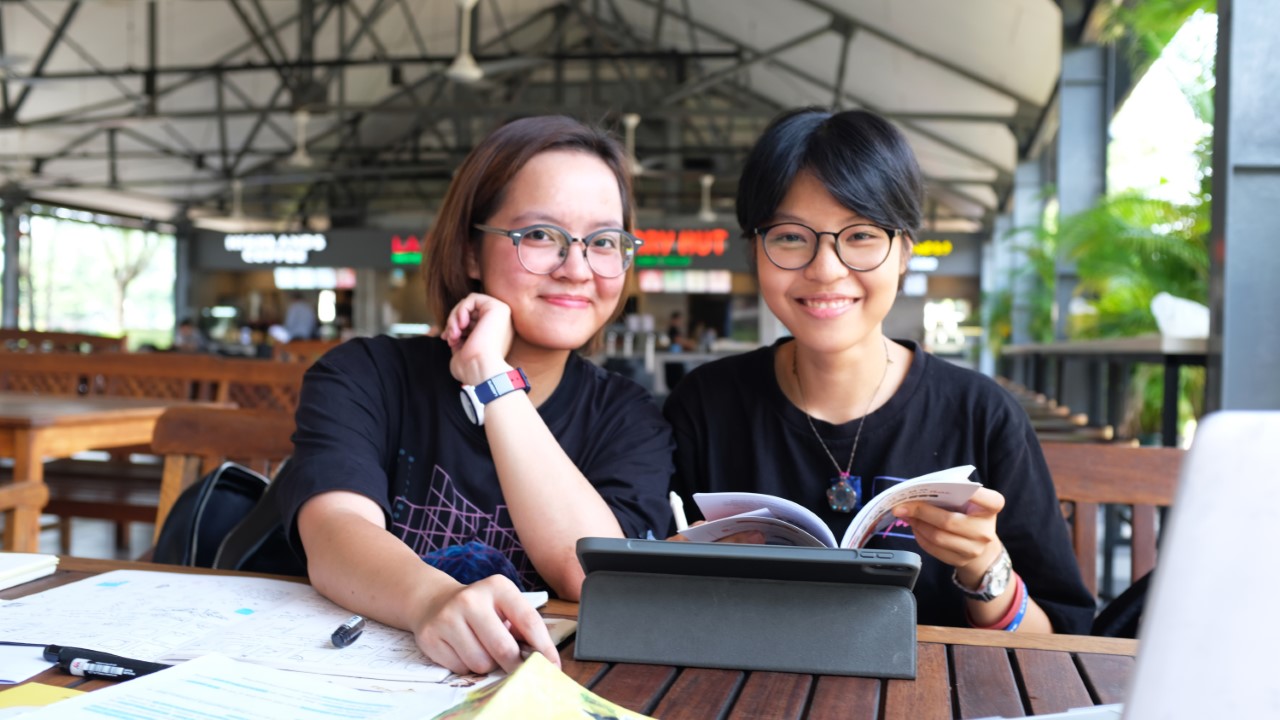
x=542, y=249
x=862, y=247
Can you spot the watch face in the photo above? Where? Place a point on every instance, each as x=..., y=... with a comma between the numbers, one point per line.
x=468, y=406
x=999, y=575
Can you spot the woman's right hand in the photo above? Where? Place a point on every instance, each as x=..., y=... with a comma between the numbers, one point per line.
x=478, y=628
x=479, y=332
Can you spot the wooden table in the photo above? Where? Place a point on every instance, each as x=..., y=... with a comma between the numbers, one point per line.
x=34, y=428
x=961, y=673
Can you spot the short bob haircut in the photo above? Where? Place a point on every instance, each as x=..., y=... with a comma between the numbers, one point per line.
x=479, y=187
x=861, y=159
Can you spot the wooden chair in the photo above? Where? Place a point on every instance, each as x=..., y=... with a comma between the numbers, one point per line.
x=195, y=440
x=1087, y=475
x=303, y=351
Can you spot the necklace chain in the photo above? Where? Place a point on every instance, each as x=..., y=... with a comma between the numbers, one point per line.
x=857, y=436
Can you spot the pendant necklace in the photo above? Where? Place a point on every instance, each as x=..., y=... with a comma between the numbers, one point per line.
x=842, y=495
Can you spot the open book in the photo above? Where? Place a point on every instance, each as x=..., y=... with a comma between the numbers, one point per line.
x=784, y=522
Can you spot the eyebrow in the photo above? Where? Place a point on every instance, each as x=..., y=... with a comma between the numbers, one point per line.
x=536, y=217
x=851, y=220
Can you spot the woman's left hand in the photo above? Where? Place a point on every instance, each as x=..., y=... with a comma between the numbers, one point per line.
x=964, y=540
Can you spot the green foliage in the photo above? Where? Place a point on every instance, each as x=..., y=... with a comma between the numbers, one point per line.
x=1148, y=25
x=1130, y=247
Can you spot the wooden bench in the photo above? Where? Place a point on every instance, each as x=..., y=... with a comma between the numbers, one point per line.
x=1141, y=479
x=33, y=341
x=120, y=490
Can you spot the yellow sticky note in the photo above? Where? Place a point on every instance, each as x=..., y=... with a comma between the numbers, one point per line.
x=35, y=695
x=537, y=690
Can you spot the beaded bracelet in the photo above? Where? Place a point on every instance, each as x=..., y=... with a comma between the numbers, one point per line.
x=1017, y=610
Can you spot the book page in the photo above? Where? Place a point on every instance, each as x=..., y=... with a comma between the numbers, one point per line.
x=775, y=531
x=715, y=506
x=949, y=489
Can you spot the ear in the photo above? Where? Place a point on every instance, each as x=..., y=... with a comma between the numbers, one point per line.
x=908, y=244
x=473, y=262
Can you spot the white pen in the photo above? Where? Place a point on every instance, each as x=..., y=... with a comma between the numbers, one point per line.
x=677, y=509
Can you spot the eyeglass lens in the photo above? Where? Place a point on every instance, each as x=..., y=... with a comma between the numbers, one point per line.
x=542, y=249
x=861, y=247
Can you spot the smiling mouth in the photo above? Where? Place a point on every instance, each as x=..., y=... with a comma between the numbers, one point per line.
x=827, y=303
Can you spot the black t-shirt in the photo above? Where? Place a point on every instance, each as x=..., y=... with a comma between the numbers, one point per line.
x=382, y=417
x=736, y=431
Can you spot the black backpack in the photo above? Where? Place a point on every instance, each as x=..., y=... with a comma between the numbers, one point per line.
x=228, y=520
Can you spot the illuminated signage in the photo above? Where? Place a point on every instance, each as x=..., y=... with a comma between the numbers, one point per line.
x=406, y=250
x=270, y=249
x=683, y=243
x=932, y=248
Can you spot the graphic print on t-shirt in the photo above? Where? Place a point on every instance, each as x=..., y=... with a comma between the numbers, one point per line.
x=899, y=529
x=439, y=516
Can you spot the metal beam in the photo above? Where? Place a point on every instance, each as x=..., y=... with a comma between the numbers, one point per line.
x=260, y=42
x=693, y=86
x=920, y=52
x=49, y=47
x=4, y=77
x=809, y=77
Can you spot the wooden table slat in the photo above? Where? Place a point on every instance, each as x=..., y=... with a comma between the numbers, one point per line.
x=928, y=697
x=700, y=693
x=772, y=696
x=583, y=672
x=635, y=687
x=1106, y=675
x=847, y=698
x=1052, y=683
x=985, y=684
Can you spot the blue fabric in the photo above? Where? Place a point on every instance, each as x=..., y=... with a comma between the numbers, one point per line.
x=471, y=562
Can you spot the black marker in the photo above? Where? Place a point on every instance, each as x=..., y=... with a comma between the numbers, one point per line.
x=347, y=632
x=94, y=664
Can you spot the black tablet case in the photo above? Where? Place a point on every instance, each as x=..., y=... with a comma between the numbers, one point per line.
x=747, y=623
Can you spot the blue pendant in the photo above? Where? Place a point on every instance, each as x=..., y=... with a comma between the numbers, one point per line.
x=842, y=495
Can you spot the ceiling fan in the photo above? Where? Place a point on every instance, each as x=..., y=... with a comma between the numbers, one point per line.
x=465, y=70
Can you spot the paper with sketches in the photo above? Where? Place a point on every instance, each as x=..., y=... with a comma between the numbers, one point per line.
x=171, y=617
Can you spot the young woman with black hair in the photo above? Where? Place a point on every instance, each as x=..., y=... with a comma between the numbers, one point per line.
x=435, y=478
x=830, y=205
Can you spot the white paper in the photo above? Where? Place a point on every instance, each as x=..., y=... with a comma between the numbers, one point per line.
x=18, y=568
x=172, y=617
x=18, y=664
x=217, y=686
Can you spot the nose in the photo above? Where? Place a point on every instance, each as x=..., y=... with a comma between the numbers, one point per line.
x=826, y=266
x=575, y=266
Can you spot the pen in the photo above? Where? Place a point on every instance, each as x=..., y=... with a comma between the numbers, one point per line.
x=347, y=632
x=91, y=663
x=677, y=509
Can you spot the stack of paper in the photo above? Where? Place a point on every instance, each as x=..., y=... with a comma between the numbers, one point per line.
x=18, y=568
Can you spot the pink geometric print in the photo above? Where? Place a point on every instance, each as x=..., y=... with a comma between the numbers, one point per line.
x=448, y=518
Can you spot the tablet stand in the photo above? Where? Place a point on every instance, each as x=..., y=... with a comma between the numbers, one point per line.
x=748, y=624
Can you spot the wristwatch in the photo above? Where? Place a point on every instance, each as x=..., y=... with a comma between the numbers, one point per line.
x=994, y=581
x=475, y=397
